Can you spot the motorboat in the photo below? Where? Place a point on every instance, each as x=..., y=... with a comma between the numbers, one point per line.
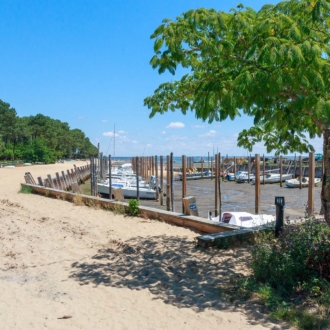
x=230, y=176
x=273, y=178
x=304, y=182
x=129, y=187
x=197, y=175
x=243, y=176
x=244, y=219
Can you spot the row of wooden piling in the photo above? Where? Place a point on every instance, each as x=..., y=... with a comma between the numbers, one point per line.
x=68, y=181
x=146, y=166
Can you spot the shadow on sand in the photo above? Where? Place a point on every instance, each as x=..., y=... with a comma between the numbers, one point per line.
x=171, y=268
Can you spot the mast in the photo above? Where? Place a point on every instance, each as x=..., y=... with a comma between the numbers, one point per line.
x=114, y=141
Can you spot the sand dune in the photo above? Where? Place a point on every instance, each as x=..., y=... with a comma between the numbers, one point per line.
x=72, y=267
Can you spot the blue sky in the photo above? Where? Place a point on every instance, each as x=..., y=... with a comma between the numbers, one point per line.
x=87, y=63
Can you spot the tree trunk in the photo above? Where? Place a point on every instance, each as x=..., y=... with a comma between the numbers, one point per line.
x=325, y=194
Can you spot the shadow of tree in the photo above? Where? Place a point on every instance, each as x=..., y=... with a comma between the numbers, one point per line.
x=171, y=268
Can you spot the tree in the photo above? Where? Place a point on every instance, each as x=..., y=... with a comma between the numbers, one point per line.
x=272, y=65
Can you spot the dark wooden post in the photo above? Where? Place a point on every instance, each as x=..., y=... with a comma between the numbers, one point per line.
x=257, y=184
x=235, y=166
x=211, y=168
x=216, y=187
x=110, y=179
x=263, y=169
x=161, y=180
x=172, y=183
x=300, y=172
x=202, y=166
x=168, y=183
x=219, y=185
x=249, y=168
x=281, y=170
x=311, y=184
x=156, y=174
x=184, y=180
x=137, y=179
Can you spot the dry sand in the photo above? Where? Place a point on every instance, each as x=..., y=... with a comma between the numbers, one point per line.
x=72, y=267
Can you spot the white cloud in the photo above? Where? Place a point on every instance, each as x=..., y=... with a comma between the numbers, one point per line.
x=134, y=141
x=163, y=132
x=110, y=134
x=198, y=126
x=121, y=132
x=209, y=133
x=81, y=117
x=175, y=125
x=105, y=121
x=149, y=145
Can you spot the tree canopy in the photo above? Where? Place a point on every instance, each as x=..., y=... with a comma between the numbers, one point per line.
x=39, y=138
x=271, y=64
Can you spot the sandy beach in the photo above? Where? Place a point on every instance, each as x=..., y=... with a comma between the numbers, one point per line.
x=64, y=266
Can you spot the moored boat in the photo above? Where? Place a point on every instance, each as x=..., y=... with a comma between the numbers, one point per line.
x=304, y=182
x=244, y=219
x=273, y=178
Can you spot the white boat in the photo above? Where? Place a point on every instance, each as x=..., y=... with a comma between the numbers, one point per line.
x=144, y=193
x=273, y=178
x=196, y=175
x=243, y=176
x=244, y=219
x=295, y=183
x=129, y=188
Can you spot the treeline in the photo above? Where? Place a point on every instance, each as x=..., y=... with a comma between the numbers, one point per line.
x=40, y=138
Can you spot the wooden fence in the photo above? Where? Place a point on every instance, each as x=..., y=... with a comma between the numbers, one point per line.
x=68, y=181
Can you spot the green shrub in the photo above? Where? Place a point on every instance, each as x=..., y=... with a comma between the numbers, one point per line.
x=26, y=190
x=133, y=207
x=301, y=254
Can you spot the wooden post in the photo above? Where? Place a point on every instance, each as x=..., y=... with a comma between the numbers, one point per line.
x=50, y=180
x=300, y=172
x=40, y=181
x=219, y=185
x=156, y=174
x=184, y=181
x=311, y=184
x=202, y=166
x=152, y=166
x=172, y=183
x=110, y=179
x=235, y=166
x=137, y=179
x=257, y=184
x=263, y=169
x=216, y=187
x=161, y=180
x=281, y=170
x=59, y=181
x=168, y=181
x=211, y=168
x=249, y=168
